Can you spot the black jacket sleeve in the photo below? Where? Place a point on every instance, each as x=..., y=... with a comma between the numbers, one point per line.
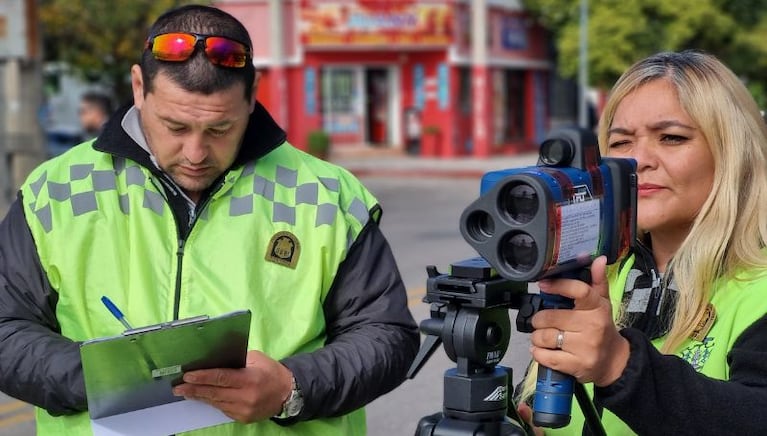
x=371, y=336
x=663, y=394
x=37, y=364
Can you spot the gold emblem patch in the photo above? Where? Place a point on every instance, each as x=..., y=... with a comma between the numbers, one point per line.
x=283, y=249
x=704, y=324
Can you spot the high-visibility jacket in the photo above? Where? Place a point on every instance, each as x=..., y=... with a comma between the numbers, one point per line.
x=738, y=304
x=269, y=239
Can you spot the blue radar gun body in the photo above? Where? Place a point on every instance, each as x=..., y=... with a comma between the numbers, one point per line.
x=552, y=220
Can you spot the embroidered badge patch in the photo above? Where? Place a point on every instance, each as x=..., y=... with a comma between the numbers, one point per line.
x=283, y=249
x=697, y=354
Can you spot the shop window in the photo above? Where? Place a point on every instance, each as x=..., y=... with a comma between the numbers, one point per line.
x=339, y=100
x=510, y=106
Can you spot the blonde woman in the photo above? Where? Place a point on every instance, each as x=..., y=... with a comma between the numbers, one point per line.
x=673, y=339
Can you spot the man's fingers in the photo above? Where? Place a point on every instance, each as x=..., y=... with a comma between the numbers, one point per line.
x=224, y=378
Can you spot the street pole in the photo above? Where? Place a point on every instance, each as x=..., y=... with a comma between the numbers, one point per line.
x=20, y=94
x=583, y=77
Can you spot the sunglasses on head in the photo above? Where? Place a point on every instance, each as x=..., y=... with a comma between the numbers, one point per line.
x=179, y=46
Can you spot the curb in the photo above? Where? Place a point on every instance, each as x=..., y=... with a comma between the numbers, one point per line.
x=417, y=173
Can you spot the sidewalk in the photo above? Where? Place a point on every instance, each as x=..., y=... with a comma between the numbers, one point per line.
x=394, y=163
x=397, y=164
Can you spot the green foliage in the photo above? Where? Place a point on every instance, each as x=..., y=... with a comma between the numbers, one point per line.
x=318, y=143
x=621, y=32
x=100, y=39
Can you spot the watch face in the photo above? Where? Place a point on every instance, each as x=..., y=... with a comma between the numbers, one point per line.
x=294, y=404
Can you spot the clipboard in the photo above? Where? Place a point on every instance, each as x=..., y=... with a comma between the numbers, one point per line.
x=129, y=378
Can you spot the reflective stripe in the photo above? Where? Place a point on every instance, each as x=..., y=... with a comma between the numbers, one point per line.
x=83, y=203
x=329, y=183
x=264, y=188
x=359, y=211
x=307, y=194
x=104, y=181
x=37, y=185
x=44, y=216
x=134, y=176
x=154, y=201
x=80, y=172
x=240, y=206
x=125, y=204
x=286, y=177
x=282, y=213
x=59, y=191
x=326, y=214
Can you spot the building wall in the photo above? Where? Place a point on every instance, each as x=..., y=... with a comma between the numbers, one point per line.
x=431, y=55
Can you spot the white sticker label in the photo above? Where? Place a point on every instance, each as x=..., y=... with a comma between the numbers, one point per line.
x=580, y=230
x=168, y=370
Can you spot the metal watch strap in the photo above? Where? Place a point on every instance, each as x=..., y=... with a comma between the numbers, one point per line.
x=293, y=405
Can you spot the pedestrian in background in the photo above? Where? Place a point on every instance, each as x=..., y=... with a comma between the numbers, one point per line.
x=94, y=111
x=191, y=202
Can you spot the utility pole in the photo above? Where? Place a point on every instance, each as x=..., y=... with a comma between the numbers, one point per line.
x=583, y=66
x=21, y=141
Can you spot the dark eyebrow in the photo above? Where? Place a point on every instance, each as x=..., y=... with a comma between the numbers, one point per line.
x=655, y=127
x=218, y=124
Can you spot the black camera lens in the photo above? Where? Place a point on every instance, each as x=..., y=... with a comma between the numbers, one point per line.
x=520, y=251
x=479, y=225
x=557, y=152
x=520, y=202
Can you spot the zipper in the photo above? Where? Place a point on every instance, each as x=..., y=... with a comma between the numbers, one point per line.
x=182, y=243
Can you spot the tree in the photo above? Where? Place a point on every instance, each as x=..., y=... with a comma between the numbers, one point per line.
x=621, y=32
x=98, y=39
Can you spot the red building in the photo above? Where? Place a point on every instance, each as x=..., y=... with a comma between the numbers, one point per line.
x=437, y=77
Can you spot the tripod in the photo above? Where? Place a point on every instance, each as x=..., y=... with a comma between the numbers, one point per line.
x=469, y=316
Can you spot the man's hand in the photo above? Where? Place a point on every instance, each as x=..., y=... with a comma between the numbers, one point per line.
x=250, y=394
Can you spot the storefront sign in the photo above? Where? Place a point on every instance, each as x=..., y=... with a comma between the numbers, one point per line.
x=363, y=23
x=513, y=34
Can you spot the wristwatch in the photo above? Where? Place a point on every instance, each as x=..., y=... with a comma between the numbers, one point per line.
x=293, y=405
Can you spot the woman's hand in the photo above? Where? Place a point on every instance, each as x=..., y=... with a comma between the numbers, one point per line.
x=584, y=341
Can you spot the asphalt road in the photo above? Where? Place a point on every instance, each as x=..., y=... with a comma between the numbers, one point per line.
x=420, y=220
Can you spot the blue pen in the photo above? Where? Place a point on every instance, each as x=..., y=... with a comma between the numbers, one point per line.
x=116, y=312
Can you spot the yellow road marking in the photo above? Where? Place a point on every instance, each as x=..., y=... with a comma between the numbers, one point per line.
x=415, y=296
x=17, y=419
x=11, y=406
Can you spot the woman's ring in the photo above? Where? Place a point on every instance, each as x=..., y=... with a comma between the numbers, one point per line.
x=560, y=339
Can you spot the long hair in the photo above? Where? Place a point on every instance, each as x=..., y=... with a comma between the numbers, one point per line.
x=197, y=74
x=729, y=233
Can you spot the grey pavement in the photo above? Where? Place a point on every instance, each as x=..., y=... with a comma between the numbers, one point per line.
x=401, y=165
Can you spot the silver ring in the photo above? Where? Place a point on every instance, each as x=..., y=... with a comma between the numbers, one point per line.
x=560, y=340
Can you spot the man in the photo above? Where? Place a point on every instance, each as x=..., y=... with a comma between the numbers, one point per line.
x=94, y=111
x=191, y=202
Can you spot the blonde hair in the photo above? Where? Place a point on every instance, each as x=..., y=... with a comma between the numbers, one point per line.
x=729, y=233
x=730, y=230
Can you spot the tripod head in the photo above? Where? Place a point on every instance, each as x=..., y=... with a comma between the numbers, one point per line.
x=469, y=316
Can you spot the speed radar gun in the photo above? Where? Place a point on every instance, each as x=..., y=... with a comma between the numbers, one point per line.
x=544, y=221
